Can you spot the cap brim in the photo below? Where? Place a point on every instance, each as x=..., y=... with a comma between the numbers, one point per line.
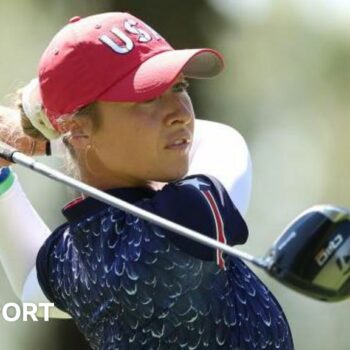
x=155, y=75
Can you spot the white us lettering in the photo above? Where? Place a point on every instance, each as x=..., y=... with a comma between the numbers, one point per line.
x=126, y=45
x=143, y=36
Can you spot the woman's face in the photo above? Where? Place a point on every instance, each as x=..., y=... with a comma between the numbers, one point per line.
x=150, y=141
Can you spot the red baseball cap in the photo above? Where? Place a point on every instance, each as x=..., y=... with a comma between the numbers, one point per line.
x=113, y=57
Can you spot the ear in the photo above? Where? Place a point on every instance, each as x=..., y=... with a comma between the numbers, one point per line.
x=80, y=132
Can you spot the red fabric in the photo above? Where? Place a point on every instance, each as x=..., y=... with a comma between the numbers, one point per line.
x=79, y=67
x=219, y=223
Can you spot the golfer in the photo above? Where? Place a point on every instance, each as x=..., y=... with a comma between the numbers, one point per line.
x=115, y=90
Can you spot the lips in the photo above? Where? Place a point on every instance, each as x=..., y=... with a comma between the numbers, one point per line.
x=179, y=140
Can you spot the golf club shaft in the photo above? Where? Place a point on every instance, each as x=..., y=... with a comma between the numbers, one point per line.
x=17, y=157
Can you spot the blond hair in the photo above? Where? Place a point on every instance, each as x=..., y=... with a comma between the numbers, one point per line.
x=70, y=159
x=11, y=131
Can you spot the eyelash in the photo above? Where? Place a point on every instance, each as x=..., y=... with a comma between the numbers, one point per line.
x=182, y=86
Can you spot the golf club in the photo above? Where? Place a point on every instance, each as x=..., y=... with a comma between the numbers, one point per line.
x=311, y=256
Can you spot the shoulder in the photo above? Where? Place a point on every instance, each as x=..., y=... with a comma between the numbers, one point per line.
x=193, y=193
x=197, y=183
x=201, y=203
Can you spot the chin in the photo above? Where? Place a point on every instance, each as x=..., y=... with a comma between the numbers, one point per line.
x=178, y=174
x=173, y=174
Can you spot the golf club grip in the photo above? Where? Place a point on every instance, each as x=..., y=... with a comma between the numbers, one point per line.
x=6, y=151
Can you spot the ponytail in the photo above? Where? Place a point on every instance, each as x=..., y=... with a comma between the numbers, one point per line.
x=30, y=104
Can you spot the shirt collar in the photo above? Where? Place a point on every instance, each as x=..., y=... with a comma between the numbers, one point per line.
x=79, y=208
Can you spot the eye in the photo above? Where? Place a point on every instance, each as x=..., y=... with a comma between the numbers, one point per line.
x=181, y=86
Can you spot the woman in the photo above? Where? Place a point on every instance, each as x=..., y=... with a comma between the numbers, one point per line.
x=117, y=91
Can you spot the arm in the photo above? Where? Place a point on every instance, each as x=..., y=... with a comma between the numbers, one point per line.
x=220, y=151
x=22, y=230
x=202, y=204
x=18, y=247
x=22, y=234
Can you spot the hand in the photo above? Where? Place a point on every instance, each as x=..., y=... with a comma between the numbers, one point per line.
x=9, y=128
x=11, y=133
x=4, y=163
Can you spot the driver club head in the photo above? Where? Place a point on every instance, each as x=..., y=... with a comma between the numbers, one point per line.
x=312, y=255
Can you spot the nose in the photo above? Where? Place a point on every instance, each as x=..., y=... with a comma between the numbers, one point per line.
x=178, y=109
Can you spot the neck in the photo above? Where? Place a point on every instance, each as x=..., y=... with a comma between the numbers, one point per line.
x=104, y=182
x=102, y=178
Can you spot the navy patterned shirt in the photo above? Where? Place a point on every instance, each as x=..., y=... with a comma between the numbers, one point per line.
x=129, y=284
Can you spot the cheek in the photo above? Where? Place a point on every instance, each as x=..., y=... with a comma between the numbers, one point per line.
x=128, y=146
x=111, y=145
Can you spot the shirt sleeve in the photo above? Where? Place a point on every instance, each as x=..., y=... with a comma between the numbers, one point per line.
x=233, y=168
x=22, y=233
x=43, y=263
x=202, y=204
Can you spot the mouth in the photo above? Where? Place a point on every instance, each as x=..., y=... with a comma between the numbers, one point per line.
x=179, y=142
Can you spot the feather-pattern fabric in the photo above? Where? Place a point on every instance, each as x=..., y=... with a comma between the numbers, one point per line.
x=128, y=287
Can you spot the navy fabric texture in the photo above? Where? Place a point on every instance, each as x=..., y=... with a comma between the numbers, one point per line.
x=129, y=284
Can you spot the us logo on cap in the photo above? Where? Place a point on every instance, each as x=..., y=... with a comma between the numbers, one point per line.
x=113, y=57
x=130, y=27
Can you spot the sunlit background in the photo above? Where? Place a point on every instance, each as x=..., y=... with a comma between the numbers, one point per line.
x=286, y=88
